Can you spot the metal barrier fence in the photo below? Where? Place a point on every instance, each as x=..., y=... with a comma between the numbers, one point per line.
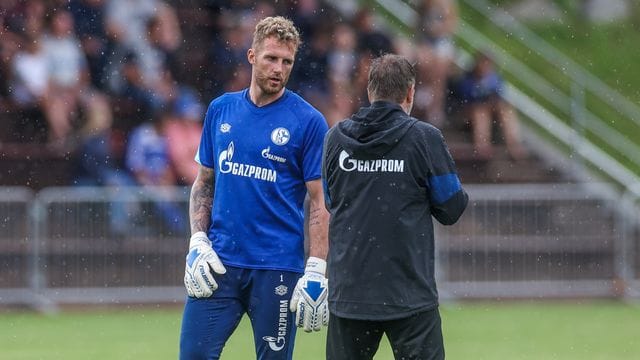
x=122, y=245
x=96, y=245
x=538, y=241
x=16, y=250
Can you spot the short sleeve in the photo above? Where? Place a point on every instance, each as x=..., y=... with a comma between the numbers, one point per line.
x=312, y=152
x=205, y=154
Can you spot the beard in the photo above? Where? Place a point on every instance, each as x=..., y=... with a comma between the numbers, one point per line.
x=268, y=87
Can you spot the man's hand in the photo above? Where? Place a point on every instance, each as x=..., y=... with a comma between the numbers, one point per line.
x=309, y=300
x=201, y=258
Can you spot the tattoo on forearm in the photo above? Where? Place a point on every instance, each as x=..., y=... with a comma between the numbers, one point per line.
x=314, y=217
x=318, y=227
x=200, y=206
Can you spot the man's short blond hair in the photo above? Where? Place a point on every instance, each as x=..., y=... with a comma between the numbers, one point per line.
x=279, y=27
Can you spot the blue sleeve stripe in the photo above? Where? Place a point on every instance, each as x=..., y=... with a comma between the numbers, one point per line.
x=443, y=187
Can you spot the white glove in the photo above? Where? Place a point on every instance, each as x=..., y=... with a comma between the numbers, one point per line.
x=200, y=260
x=309, y=299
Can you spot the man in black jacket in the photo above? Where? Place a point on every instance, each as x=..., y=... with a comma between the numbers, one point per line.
x=386, y=174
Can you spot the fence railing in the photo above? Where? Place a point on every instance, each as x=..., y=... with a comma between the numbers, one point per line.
x=123, y=245
x=16, y=247
x=538, y=241
x=94, y=245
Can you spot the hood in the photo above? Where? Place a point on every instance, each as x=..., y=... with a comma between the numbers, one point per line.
x=373, y=131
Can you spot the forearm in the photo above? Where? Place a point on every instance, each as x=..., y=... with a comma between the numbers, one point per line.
x=200, y=205
x=318, y=229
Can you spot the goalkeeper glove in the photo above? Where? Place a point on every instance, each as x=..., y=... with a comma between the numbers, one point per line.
x=309, y=300
x=201, y=258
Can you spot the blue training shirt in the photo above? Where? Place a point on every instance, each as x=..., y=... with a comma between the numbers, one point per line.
x=262, y=157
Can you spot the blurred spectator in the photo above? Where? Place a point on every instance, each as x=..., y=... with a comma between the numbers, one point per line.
x=149, y=98
x=30, y=72
x=10, y=39
x=310, y=74
x=183, y=131
x=132, y=88
x=228, y=51
x=147, y=155
x=148, y=159
x=24, y=17
x=155, y=57
x=28, y=77
x=341, y=106
x=437, y=20
x=165, y=28
x=8, y=12
x=481, y=90
x=127, y=25
x=162, y=45
x=68, y=83
x=133, y=50
x=306, y=14
x=88, y=16
x=370, y=38
x=126, y=22
x=342, y=57
x=349, y=96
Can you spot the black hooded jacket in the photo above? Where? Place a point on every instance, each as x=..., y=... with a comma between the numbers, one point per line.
x=385, y=175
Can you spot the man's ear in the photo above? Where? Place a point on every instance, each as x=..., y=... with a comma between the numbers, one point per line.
x=407, y=104
x=251, y=56
x=410, y=94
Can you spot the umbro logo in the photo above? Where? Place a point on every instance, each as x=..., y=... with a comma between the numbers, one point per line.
x=225, y=128
x=281, y=290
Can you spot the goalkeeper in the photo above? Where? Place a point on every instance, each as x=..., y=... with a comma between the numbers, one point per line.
x=386, y=175
x=259, y=155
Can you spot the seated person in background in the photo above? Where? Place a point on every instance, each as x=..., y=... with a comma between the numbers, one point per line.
x=150, y=99
x=182, y=133
x=30, y=73
x=28, y=78
x=147, y=158
x=481, y=91
x=69, y=86
x=435, y=50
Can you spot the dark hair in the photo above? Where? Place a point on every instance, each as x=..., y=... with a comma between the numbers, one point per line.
x=390, y=76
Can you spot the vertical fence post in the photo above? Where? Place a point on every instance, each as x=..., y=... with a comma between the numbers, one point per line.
x=441, y=260
x=626, y=249
x=35, y=235
x=38, y=276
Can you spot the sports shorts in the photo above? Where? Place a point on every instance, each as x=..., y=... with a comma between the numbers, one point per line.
x=263, y=295
x=417, y=337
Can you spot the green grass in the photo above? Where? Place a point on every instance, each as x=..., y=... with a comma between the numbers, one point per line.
x=487, y=330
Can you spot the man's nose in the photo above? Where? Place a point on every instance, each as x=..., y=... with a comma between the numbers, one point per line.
x=277, y=67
